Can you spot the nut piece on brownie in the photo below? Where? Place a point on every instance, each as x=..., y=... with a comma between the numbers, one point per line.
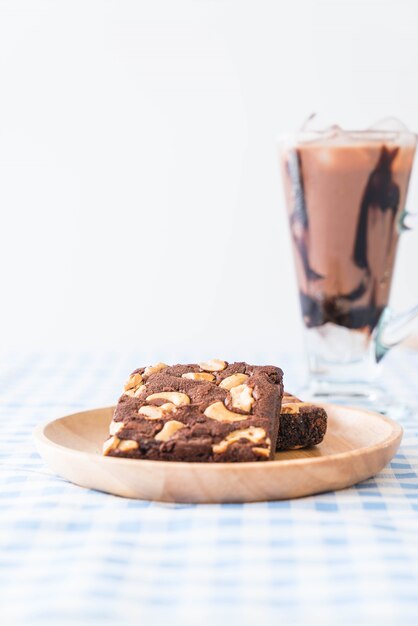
x=213, y=411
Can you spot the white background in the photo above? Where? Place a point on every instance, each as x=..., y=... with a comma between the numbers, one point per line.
x=140, y=197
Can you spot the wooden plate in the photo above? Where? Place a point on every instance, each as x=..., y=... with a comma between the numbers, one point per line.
x=358, y=444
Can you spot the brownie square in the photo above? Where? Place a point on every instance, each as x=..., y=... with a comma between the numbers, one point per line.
x=301, y=424
x=213, y=411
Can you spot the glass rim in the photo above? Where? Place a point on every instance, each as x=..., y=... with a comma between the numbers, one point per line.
x=373, y=133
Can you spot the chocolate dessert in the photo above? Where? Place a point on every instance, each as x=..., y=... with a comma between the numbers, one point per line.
x=302, y=424
x=212, y=411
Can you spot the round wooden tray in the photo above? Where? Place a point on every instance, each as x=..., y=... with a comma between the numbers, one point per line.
x=358, y=444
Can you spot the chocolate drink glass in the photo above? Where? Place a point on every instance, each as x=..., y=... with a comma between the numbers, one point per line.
x=345, y=193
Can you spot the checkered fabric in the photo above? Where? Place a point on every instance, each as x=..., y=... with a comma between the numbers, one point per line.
x=75, y=556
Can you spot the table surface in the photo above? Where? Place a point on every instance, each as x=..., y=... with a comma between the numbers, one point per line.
x=75, y=556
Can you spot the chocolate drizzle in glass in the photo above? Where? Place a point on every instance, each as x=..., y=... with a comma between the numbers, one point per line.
x=299, y=223
x=381, y=193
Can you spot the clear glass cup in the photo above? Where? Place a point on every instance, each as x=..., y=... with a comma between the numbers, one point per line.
x=345, y=193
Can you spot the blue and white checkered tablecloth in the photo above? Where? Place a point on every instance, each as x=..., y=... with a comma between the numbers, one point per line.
x=75, y=556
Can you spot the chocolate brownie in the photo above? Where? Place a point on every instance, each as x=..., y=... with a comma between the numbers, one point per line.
x=213, y=411
x=301, y=424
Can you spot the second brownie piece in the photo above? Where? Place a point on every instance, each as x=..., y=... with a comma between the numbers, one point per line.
x=301, y=424
x=211, y=411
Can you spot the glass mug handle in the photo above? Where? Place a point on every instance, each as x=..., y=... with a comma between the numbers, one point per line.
x=395, y=327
